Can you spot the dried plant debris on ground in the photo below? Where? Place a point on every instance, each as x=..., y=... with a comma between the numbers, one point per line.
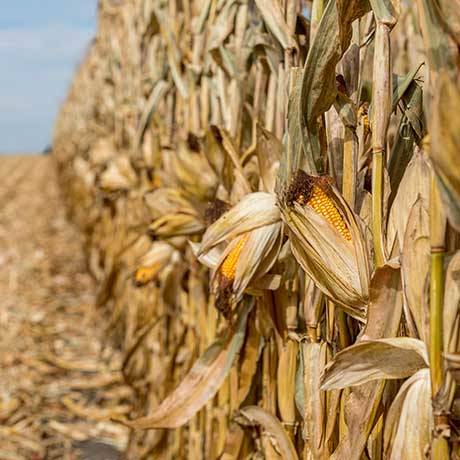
x=60, y=381
x=269, y=191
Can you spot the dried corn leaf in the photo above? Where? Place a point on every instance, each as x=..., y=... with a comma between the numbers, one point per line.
x=445, y=145
x=392, y=358
x=250, y=358
x=282, y=442
x=274, y=19
x=415, y=266
x=409, y=421
x=253, y=211
x=451, y=310
x=360, y=405
x=269, y=150
x=318, y=85
x=414, y=184
x=200, y=384
x=339, y=267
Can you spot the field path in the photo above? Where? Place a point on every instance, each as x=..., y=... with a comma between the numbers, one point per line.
x=59, y=381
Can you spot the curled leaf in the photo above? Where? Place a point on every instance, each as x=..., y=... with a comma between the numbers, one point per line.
x=253, y=211
x=409, y=421
x=257, y=415
x=393, y=358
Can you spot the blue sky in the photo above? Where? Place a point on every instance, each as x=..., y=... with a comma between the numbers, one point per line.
x=41, y=42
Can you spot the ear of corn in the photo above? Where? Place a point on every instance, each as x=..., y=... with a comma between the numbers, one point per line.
x=174, y=130
x=228, y=267
x=145, y=274
x=322, y=203
x=315, y=192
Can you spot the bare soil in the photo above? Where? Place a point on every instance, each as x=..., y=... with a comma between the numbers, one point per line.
x=60, y=381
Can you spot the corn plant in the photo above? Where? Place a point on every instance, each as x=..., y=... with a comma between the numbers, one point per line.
x=271, y=198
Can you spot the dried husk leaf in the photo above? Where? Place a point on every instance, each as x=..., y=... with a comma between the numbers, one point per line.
x=386, y=11
x=233, y=443
x=451, y=333
x=83, y=170
x=210, y=258
x=293, y=157
x=229, y=147
x=450, y=17
x=340, y=268
x=260, y=253
x=441, y=50
x=411, y=129
x=159, y=90
x=253, y=211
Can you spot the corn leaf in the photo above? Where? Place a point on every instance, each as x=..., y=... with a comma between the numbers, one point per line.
x=393, y=358
x=257, y=415
x=200, y=384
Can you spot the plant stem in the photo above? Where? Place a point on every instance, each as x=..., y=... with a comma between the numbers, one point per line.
x=440, y=446
x=381, y=112
x=436, y=326
x=377, y=211
x=349, y=193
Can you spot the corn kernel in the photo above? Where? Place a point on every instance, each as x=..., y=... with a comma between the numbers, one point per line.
x=228, y=267
x=324, y=206
x=145, y=274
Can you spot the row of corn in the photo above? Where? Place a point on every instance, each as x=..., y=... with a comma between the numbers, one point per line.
x=270, y=191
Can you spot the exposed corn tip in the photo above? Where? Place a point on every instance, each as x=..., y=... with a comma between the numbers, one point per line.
x=321, y=202
x=228, y=267
x=146, y=274
x=315, y=192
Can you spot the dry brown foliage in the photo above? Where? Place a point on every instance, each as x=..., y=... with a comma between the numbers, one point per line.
x=262, y=317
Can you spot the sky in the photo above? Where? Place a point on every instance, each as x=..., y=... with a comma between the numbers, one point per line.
x=41, y=43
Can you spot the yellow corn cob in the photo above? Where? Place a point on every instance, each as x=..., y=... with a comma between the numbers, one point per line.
x=228, y=267
x=321, y=202
x=145, y=274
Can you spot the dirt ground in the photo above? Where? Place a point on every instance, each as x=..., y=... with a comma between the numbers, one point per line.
x=59, y=380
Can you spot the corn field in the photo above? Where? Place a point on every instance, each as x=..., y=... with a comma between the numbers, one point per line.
x=270, y=194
